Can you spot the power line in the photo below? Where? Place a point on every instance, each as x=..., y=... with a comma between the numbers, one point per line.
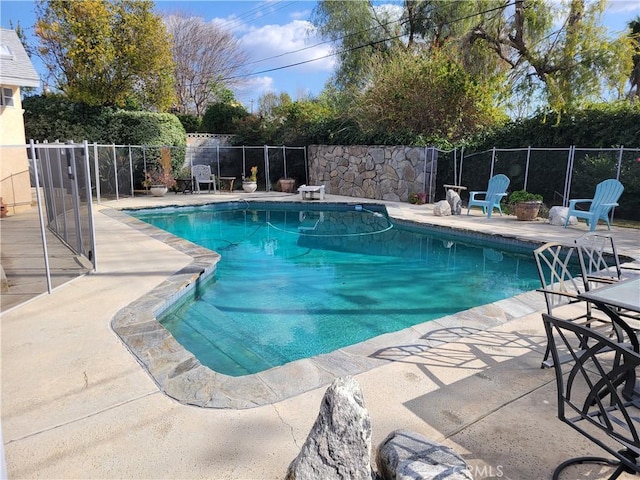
x=268, y=8
x=352, y=48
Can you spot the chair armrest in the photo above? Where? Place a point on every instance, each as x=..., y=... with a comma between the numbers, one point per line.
x=472, y=195
x=572, y=203
x=556, y=292
x=596, y=279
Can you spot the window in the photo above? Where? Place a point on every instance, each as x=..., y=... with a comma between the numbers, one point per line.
x=5, y=52
x=6, y=97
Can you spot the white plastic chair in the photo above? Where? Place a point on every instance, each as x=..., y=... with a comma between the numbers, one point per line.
x=202, y=174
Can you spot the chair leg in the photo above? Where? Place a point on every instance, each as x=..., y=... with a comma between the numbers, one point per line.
x=600, y=460
x=544, y=363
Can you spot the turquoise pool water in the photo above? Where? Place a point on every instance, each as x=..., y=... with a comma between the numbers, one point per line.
x=296, y=283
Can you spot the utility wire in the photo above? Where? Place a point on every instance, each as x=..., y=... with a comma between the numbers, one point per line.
x=358, y=47
x=268, y=9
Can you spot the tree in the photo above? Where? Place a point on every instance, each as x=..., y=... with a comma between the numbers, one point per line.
x=205, y=56
x=563, y=68
x=223, y=116
x=430, y=94
x=634, y=78
x=107, y=52
x=359, y=29
x=270, y=105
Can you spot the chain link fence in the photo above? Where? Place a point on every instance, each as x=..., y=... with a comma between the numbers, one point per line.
x=558, y=174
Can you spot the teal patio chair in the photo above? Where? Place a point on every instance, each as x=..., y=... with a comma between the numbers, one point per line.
x=606, y=197
x=496, y=189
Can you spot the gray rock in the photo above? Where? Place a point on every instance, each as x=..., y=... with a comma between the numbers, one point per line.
x=442, y=208
x=406, y=455
x=339, y=443
x=454, y=201
x=558, y=215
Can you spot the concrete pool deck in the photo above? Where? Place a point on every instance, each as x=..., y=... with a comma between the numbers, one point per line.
x=77, y=404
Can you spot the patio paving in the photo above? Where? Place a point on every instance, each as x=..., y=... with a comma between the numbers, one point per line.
x=77, y=404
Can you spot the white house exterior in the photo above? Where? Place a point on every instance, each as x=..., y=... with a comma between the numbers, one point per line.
x=16, y=71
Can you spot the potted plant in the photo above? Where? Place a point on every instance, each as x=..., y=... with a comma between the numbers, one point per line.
x=418, y=198
x=250, y=183
x=525, y=205
x=158, y=181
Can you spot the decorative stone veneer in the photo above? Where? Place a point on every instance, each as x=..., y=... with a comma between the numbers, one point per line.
x=375, y=172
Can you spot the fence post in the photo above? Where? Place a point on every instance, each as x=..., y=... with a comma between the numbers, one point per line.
x=96, y=166
x=568, y=175
x=526, y=167
x=218, y=157
x=92, y=229
x=493, y=160
x=47, y=268
x=461, y=162
x=133, y=194
x=115, y=170
x=266, y=168
x=244, y=162
x=284, y=160
x=619, y=162
x=455, y=165
x=306, y=166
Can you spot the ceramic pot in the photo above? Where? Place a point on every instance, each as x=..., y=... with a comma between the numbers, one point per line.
x=249, y=187
x=158, y=190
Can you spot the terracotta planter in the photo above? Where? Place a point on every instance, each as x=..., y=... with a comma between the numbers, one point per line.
x=527, y=211
x=249, y=187
x=286, y=184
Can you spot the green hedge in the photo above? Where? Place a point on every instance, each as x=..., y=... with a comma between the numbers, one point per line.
x=599, y=126
x=53, y=117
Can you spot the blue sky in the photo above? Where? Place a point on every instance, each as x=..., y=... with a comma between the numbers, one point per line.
x=266, y=29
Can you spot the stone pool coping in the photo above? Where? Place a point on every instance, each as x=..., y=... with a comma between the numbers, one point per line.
x=181, y=376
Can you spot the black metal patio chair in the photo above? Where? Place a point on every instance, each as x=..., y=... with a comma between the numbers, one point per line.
x=590, y=393
x=561, y=282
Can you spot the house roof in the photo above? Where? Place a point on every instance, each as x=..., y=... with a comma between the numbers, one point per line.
x=15, y=65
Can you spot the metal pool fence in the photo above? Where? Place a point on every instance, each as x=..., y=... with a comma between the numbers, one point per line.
x=118, y=170
x=68, y=177
x=558, y=174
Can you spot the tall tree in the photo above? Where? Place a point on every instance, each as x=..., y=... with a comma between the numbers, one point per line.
x=564, y=66
x=205, y=56
x=107, y=52
x=634, y=78
x=359, y=29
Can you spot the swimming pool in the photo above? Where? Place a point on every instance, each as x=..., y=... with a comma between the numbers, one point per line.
x=299, y=280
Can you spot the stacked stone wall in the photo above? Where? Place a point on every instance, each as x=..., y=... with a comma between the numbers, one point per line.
x=375, y=172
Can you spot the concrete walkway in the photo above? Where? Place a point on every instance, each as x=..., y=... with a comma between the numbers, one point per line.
x=76, y=403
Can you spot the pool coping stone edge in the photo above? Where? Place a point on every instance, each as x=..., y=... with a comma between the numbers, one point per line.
x=178, y=374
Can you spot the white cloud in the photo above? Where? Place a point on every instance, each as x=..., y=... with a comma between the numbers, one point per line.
x=252, y=89
x=623, y=6
x=275, y=46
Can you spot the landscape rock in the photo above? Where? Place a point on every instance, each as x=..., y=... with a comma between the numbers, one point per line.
x=339, y=443
x=406, y=455
x=454, y=201
x=558, y=215
x=442, y=208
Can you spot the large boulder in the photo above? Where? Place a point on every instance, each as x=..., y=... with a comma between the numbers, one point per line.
x=454, y=202
x=558, y=215
x=406, y=455
x=339, y=443
x=442, y=208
